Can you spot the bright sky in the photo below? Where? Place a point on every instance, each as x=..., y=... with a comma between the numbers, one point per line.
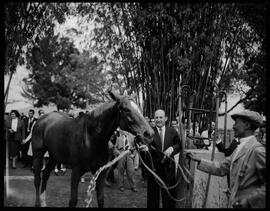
x=16, y=90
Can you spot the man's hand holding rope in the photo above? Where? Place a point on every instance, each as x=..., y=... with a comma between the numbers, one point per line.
x=143, y=148
x=193, y=157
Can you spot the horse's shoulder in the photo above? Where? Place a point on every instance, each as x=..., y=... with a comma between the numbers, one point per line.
x=90, y=120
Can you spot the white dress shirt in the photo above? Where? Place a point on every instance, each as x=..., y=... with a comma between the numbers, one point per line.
x=29, y=122
x=163, y=135
x=14, y=124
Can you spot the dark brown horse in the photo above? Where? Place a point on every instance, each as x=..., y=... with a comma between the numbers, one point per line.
x=82, y=143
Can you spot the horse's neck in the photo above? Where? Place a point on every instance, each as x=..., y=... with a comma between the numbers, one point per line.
x=107, y=118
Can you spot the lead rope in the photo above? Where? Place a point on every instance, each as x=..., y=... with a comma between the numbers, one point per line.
x=92, y=183
x=159, y=180
x=181, y=168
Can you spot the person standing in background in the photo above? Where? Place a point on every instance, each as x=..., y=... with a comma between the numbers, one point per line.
x=175, y=126
x=126, y=163
x=29, y=138
x=152, y=123
x=15, y=134
x=143, y=157
x=110, y=173
x=27, y=160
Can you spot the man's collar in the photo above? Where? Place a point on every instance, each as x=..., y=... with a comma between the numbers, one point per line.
x=163, y=128
x=244, y=139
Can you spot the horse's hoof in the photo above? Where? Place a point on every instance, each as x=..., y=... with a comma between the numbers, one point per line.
x=72, y=203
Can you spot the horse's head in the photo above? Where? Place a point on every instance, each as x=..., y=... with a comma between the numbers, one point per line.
x=131, y=118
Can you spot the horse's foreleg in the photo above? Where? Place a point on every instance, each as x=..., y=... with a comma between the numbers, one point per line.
x=75, y=178
x=46, y=174
x=37, y=184
x=37, y=162
x=100, y=188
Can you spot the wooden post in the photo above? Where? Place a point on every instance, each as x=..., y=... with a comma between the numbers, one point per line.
x=225, y=120
x=213, y=150
x=180, y=190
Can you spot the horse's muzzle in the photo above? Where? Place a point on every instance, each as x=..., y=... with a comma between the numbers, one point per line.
x=143, y=140
x=146, y=138
x=138, y=139
x=147, y=135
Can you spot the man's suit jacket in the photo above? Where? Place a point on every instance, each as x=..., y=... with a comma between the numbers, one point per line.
x=26, y=121
x=247, y=172
x=171, y=139
x=20, y=133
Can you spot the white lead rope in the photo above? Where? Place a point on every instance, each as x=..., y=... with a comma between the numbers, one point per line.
x=92, y=182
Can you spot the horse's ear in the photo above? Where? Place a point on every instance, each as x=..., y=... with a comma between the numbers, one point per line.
x=114, y=96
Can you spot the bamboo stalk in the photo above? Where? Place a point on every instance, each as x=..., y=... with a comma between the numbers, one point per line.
x=213, y=150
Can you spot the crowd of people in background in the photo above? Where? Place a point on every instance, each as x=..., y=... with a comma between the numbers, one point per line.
x=18, y=133
x=18, y=128
x=167, y=143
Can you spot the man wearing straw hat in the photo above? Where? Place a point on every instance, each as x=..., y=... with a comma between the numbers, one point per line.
x=246, y=165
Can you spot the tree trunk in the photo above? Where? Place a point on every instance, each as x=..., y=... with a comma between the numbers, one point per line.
x=7, y=90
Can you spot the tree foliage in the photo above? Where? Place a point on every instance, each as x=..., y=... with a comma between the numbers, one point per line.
x=48, y=62
x=256, y=17
x=157, y=46
x=88, y=79
x=152, y=49
x=25, y=23
x=61, y=75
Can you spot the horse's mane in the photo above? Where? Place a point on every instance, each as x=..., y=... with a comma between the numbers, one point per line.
x=97, y=112
x=107, y=106
x=93, y=120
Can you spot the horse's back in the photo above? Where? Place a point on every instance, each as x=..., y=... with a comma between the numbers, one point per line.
x=49, y=126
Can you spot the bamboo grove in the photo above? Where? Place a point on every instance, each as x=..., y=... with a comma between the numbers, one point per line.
x=161, y=46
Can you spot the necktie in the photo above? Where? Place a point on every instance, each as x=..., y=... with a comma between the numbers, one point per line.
x=126, y=142
x=29, y=123
x=161, y=138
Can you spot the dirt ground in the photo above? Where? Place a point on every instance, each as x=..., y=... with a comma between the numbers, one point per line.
x=22, y=191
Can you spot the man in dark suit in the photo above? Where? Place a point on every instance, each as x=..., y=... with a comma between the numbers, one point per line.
x=24, y=148
x=165, y=145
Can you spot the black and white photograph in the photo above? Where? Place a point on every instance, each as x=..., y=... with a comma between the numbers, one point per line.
x=135, y=104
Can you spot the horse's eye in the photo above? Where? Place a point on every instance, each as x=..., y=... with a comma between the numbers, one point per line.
x=120, y=108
